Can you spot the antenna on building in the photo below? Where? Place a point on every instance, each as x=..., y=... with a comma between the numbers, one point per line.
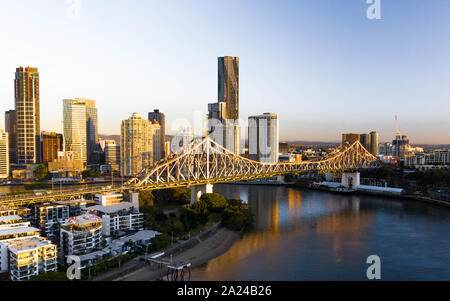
x=396, y=126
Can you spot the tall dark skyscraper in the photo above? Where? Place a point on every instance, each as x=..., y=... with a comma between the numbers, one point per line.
x=26, y=90
x=223, y=117
x=156, y=115
x=229, y=85
x=11, y=129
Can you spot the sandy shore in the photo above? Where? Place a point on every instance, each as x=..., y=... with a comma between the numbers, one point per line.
x=201, y=249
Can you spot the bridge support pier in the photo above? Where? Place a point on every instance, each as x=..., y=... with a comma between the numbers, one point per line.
x=197, y=191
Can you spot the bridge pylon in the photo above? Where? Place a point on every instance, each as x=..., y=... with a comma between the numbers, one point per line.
x=198, y=190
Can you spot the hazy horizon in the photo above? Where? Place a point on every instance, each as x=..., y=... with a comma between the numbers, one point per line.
x=322, y=66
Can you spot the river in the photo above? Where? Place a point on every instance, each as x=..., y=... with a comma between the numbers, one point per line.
x=316, y=235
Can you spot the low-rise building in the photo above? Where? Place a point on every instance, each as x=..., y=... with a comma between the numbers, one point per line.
x=47, y=217
x=12, y=228
x=110, y=199
x=66, y=165
x=120, y=217
x=21, y=211
x=30, y=256
x=81, y=235
x=431, y=159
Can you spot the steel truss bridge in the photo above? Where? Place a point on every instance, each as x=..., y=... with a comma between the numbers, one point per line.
x=207, y=162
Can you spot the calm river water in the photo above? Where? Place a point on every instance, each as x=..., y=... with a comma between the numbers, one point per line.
x=315, y=235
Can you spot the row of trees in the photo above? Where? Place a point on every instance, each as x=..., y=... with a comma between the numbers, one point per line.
x=411, y=181
x=165, y=197
x=234, y=213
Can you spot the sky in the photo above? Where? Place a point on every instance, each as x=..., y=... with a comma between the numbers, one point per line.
x=322, y=65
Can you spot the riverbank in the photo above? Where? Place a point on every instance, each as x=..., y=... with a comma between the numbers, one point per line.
x=407, y=197
x=198, y=250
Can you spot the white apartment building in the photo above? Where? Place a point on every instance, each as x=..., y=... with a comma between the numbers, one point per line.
x=4, y=155
x=81, y=235
x=263, y=137
x=12, y=228
x=435, y=158
x=120, y=217
x=110, y=199
x=31, y=256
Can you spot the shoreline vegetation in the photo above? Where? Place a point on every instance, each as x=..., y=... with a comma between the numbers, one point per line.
x=190, y=233
x=417, y=185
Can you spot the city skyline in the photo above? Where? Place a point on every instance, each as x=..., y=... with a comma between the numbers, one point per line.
x=325, y=89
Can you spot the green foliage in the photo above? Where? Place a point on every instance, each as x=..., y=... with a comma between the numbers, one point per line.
x=411, y=182
x=214, y=201
x=172, y=196
x=161, y=217
x=431, y=179
x=303, y=182
x=201, y=209
x=161, y=241
x=41, y=172
x=34, y=186
x=108, y=264
x=189, y=218
x=150, y=214
x=50, y=276
x=304, y=157
x=237, y=219
x=235, y=203
x=91, y=173
x=146, y=198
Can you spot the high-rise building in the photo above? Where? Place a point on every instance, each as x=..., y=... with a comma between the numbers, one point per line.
x=283, y=148
x=263, y=137
x=4, y=155
x=350, y=138
x=51, y=144
x=365, y=141
x=228, y=80
x=26, y=86
x=11, y=129
x=157, y=146
x=156, y=115
x=80, y=127
x=136, y=144
x=223, y=123
x=374, y=142
x=112, y=155
x=91, y=126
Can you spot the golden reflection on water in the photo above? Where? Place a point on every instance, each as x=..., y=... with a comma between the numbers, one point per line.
x=339, y=219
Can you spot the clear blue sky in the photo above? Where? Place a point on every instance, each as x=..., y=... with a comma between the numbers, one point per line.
x=321, y=65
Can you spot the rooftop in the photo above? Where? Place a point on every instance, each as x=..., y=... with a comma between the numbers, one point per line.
x=74, y=202
x=9, y=218
x=83, y=220
x=17, y=230
x=141, y=235
x=28, y=244
x=111, y=209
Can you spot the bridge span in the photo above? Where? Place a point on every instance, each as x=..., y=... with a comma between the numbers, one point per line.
x=207, y=163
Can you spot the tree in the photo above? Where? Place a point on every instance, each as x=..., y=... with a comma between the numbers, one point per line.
x=172, y=196
x=41, y=172
x=146, y=198
x=237, y=219
x=214, y=201
x=50, y=276
x=202, y=210
x=161, y=241
x=91, y=173
x=189, y=218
